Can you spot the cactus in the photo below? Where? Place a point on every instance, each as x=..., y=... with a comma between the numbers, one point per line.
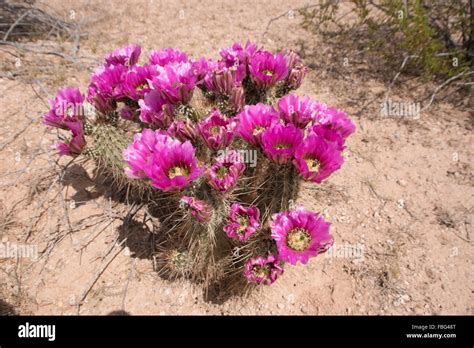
x=172, y=135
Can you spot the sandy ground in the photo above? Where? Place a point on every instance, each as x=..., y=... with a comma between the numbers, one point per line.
x=404, y=197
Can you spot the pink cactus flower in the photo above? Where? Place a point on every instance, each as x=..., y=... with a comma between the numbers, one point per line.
x=263, y=270
x=135, y=84
x=77, y=143
x=67, y=106
x=279, y=142
x=315, y=159
x=175, y=82
x=200, y=210
x=297, y=71
x=155, y=110
x=254, y=120
x=217, y=131
x=332, y=118
x=299, y=235
x=174, y=167
x=106, y=87
x=226, y=171
x=166, y=56
x=243, y=222
x=296, y=110
x=139, y=154
x=183, y=130
x=126, y=56
x=267, y=69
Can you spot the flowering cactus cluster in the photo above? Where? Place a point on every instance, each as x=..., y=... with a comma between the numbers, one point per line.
x=216, y=150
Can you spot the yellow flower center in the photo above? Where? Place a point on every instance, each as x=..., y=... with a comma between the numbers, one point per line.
x=298, y=239
x=177, y=171
x=313, y=164
x=257, y=130
x=222, y=172
x=215, y=130
x=261, y=272
x=68, y=111
x=243, y=222
x=267, y=72
x=141, y=87
x=282, y=146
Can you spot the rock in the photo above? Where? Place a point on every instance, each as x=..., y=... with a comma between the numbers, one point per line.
x=402, y=183
x=401, y=203
x=290, y=298
x=281, y=306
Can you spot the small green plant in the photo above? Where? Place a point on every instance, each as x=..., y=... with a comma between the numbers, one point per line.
x=435, y=35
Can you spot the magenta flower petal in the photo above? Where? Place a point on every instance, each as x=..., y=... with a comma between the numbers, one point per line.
x=224, y=80
x=173, y=167
x=156, y=110
x=243, y=222
x=203, y=69
x=77, y=143
x=237, y=99
x=135, y=84
x=175, y=82
x=334, y=119
x=139, y=154
x=66, y=106
x=217, y=131
x=267, y=69
x=106, y=87
x=297, y=71
x=315, y=159
x=166, y=56
x=230, y=56
x=299, y=235
x=126, y=56
x=279, y=142
x=263, y=270
x=329, y=135
x=127, y=113
x=205, y=74
x=197, y=208
x=183, y=130
x=67, y=113
x=254, y=120
x=236, y=54
x=298, y=111
x=226, y=171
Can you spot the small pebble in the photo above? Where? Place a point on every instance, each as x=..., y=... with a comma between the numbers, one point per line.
x=402, y=183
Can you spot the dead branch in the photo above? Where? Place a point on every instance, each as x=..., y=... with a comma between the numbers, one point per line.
x=444, y=84
x=405, y=61
x=32, y=49
x=24, y=20
x=286, y=13
x=119, y=247
x=15, y=136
